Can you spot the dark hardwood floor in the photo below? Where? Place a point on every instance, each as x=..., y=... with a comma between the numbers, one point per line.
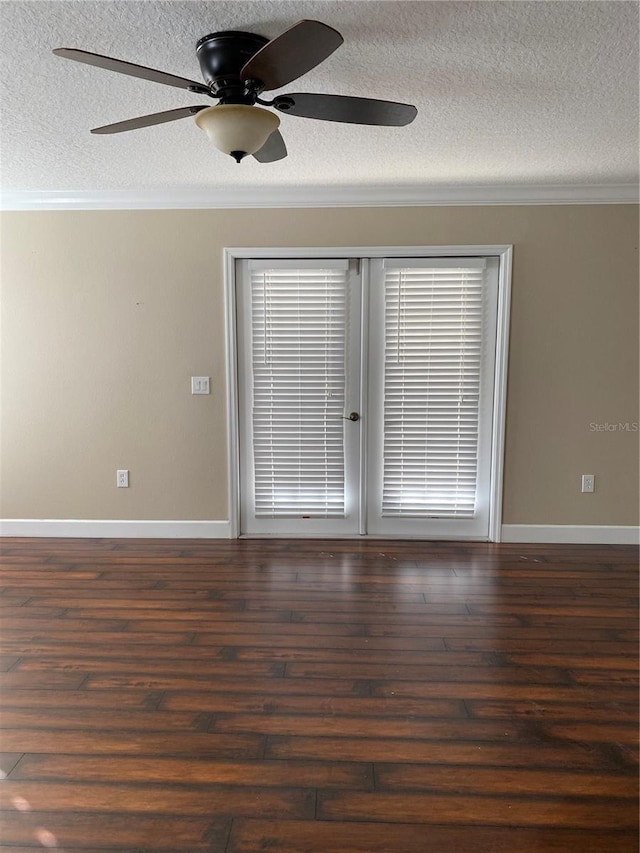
x=318, y=697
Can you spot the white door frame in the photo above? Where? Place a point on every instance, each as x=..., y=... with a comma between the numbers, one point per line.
x=504, y=252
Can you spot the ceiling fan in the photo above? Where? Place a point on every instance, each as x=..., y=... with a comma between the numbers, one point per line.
x=237, y=67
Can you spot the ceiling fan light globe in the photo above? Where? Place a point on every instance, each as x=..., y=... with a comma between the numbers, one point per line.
x=237, y=127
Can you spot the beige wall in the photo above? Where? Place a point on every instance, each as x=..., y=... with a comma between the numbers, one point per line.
x=106, y=315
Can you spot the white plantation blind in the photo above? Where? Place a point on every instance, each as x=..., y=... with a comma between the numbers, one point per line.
x=432, y=362
x=298, y=323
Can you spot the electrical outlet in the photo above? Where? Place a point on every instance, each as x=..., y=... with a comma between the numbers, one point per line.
x=588, y=482
x=200, y=385
x=122, y=479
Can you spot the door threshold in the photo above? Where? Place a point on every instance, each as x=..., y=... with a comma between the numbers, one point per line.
x=359, y=536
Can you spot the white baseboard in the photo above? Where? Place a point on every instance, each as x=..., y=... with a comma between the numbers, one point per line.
x=588, y=534
x=115, y=529
x=578, y=534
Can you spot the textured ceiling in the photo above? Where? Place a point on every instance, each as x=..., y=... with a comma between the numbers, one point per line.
x=507, y=93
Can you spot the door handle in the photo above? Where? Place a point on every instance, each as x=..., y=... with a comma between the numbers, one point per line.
x=353, y=416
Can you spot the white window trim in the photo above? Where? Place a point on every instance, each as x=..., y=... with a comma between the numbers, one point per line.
x=503, y=251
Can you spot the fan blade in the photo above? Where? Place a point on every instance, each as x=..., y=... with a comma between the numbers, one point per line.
x=147, y=121
x=273, y=149
x=344, y=108
x=291, y=54
x=131, y=69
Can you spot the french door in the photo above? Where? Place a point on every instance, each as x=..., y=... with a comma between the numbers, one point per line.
x=366, y=395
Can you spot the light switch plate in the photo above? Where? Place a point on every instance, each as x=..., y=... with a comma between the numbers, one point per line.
x=200, y=385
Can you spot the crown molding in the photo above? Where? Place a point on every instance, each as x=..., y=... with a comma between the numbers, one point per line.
x=317, y=196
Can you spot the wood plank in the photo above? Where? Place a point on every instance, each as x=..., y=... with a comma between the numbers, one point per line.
x=9, y=601
x=516, y=647
x=333, y=725
x=606, y=678
x=167, y=743
x=48, y=585
x=298, y=774
x=433, y=627
x=417, y=673
x=511, y=754
x=429, y=657
x=595, y=732
x=232, y=703
x=229, y=684
x=383, y=637
x=266, y=640
x=97, y=719
x=201, y=617
x=35, y=680
x=485, y=810
x=410, y=612
x=474, y=689
x=249, y=628
x=256, y=836
x=56, y=636
x=624, y=659
x=153, y=600
x=510, y=782
x=47, y=627
x=170, y=653
x=161, y=799
x=28, y=612
x=572, y=608
x=78, y=832
x=77, y=699
x=200, y=668
x=554, y=710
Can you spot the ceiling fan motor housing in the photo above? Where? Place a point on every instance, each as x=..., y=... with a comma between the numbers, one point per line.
x=222, y=57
